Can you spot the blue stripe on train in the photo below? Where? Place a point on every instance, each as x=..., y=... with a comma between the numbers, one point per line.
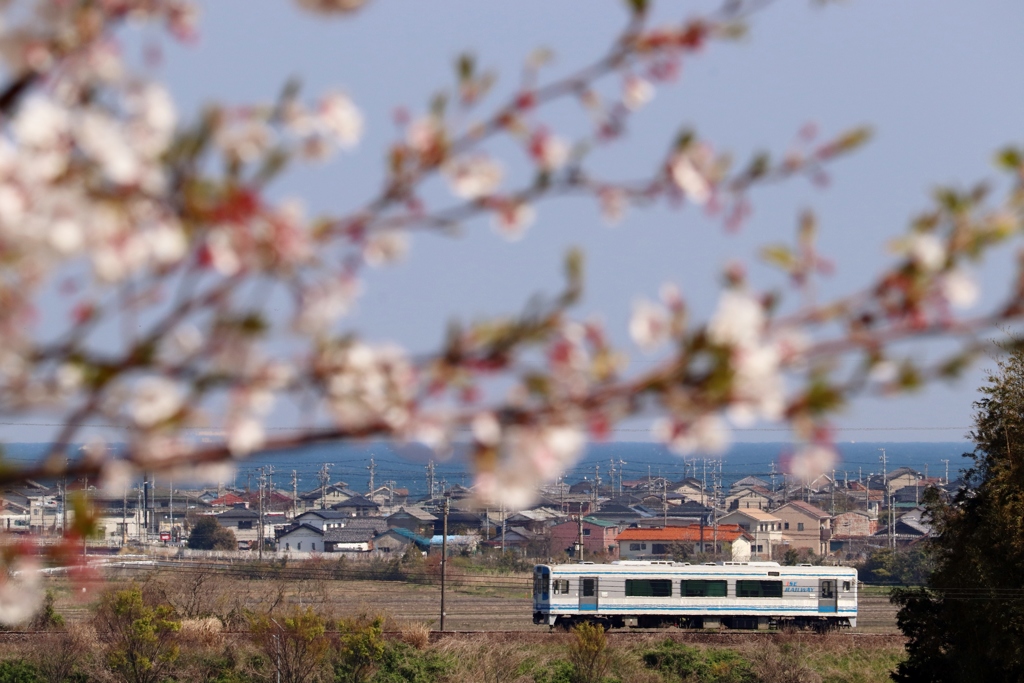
x=735, y=608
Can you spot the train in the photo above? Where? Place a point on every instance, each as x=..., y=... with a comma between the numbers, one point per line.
x=720, y=595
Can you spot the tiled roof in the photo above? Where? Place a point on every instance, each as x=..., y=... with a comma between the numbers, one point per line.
x=599, y=522
x=345, y=535
x=759, y=515
x=808, y=508
x=683, y=534
x=417, y=513
x=420, y=541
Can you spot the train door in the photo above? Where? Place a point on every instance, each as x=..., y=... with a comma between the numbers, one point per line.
x=827, y=595
x=588, y=594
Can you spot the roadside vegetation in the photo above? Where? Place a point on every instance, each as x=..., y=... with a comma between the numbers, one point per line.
x=187, y=630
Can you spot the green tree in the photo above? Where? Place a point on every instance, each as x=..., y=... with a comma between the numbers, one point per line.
x=141, y=640
x=208, y=534
x=967, y=624
x=361, y=648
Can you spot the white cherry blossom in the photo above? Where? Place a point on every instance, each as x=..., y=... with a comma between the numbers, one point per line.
x=738, y=321
x=473, y=176
x=959, y=288
x=154, y=400
x=339, y=117
x=927, y=251
x=637, y=92
x=649, y=325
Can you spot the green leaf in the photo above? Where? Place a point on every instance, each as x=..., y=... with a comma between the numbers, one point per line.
x=1010, y=158
x=638, y=7
x=778, y=255
x=465, y=66
x=852, y=139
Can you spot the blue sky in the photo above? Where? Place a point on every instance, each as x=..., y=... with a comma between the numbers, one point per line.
x=937, y=79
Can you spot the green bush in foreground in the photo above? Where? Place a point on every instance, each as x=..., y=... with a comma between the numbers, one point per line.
x=701, y=665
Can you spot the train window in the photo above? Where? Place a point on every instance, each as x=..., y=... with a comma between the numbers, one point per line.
x=703, y=589
x=826, y=589
x=541, y=583
x=846, y=586
x=648, y=588
x=759, y=589
x=560, y=586
x=589, y=587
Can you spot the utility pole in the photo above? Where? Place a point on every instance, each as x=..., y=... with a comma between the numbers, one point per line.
x=170, y=506
x=323, y=476
x=373, y=469
x=124, y=518
x=259, y=523
x=664, y=501
x=444, y=556
x=891, y=542
x=714, y=508
x=832, y=504
x=773, y=476
x=703, y=484
x=947, y=470
x=295, y=491
x=621, y=463
x=430, y=479
x=502, y=527
x=579, y=537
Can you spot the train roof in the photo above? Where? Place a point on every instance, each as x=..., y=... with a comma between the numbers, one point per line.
x=683, y=568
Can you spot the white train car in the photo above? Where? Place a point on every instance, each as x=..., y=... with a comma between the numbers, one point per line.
x=748, y=595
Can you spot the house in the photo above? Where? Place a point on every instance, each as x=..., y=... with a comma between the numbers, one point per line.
x=598, y=537
x=901, y=477
x=323, y=519
x=228, y=500
x=14, y=516
x=691, y=488
x=325, y=496
x=463, y=521
x=621, y=515
x=357, y=506
x=396, y=541
x=345, y=540
x=673, y=541
x=536, y=520
x=751, y=497
x=377, y=525
x=389, y=496
x=749, y=482
x=518, y=537
x=854, y=523
x=412, y=518
x=805, y=526
x=765, y=527
x=303, y=538
x=244, y=523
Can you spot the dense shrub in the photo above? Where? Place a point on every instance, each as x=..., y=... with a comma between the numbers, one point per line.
x=588, y=653
x=402, y=663
x=208, y=534
x=697, y=665
x=18, y=671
